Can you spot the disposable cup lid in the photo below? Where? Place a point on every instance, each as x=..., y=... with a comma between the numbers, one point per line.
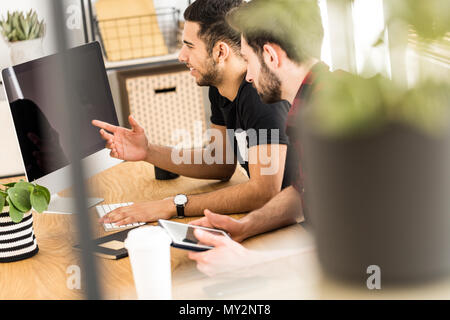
x=147, y=237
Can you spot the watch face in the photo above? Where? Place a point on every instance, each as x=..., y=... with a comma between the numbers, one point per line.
x=180, y=199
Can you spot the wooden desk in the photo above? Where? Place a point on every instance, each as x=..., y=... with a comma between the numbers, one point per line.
x=45, y=275
x=295, y=276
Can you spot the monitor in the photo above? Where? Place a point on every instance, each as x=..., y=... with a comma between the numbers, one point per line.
x=38, y=98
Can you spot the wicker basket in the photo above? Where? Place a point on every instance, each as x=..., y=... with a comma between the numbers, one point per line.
x=139, y=36
x=157, y=101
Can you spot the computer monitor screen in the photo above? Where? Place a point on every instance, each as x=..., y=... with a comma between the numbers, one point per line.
x=38, y=98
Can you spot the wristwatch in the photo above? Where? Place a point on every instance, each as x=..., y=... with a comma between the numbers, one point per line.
x=180, y=201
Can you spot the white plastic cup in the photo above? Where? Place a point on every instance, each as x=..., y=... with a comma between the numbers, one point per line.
x=149, y=251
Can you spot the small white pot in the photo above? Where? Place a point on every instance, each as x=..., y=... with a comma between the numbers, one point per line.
x=23, y=51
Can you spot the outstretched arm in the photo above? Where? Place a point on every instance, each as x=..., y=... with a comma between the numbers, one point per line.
x=215, y=161
x=244, y=197
x=263, y=185
x=132, y=145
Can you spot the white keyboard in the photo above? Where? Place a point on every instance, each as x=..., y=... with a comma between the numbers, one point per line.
x=106, y=208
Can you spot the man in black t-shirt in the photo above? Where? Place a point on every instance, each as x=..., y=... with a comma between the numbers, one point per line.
x=282, y=45
x=250, y=123
x=243, y=128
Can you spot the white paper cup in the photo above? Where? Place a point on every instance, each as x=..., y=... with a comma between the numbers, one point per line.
x=149, y=251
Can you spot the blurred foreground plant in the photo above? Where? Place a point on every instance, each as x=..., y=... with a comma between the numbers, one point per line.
x=350, y=105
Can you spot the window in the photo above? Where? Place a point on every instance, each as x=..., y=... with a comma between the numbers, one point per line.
x=368, y=25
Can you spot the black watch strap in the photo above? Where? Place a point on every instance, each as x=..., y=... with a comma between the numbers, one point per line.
x=180, y=211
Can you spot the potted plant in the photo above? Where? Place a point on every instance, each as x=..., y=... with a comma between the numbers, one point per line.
x=24, y=34
x=17, y=239
x=377, y=164
x=377, y=169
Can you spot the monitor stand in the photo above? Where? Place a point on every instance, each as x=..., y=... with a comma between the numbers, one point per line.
x=67, y=205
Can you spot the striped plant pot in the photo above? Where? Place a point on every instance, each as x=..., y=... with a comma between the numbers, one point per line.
x=17, y=240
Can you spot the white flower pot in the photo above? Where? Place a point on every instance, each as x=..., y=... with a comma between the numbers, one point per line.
x=17, y=240
x=23, y=51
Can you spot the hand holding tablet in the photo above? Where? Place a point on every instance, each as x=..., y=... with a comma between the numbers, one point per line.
x=183, y=237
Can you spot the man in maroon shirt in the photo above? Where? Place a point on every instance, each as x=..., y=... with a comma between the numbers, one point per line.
x=281, y=42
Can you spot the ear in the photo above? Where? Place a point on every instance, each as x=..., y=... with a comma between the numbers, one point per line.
x=221, y=51
x=272, y=55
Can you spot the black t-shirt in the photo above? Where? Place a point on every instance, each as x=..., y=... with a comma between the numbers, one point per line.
x=250, y=122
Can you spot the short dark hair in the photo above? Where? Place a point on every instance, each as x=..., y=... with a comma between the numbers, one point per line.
x=294, y=25
x=210, y=15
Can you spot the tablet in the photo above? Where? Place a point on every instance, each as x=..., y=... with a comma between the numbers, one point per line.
x=182, y=235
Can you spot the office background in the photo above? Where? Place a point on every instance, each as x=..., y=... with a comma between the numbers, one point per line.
x=351, y=29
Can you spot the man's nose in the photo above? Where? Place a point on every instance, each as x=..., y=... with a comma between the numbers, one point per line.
x=182, y=57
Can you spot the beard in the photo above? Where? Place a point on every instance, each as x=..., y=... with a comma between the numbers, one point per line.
x=212, y=76
x=269, y=85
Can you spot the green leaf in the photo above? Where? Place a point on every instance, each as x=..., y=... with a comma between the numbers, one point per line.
x=24, y=26
x=34, y=18
x=39, y=201
x=6, y=27
x=45, y=191
x=41, y=29
x=15, y=20
x=380, y=39
x=25, y=185
x=15, y=214
x=12, y=36
x=2, y=201
x=20, y=34
x=10, y=185
x=34, y=31
x=20, y=198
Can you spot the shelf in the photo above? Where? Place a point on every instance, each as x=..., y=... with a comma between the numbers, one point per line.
x=142, y=62
x=125, y=65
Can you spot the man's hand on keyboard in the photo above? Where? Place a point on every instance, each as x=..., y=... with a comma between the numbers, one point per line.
x=125, y=144
x=148, y=211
